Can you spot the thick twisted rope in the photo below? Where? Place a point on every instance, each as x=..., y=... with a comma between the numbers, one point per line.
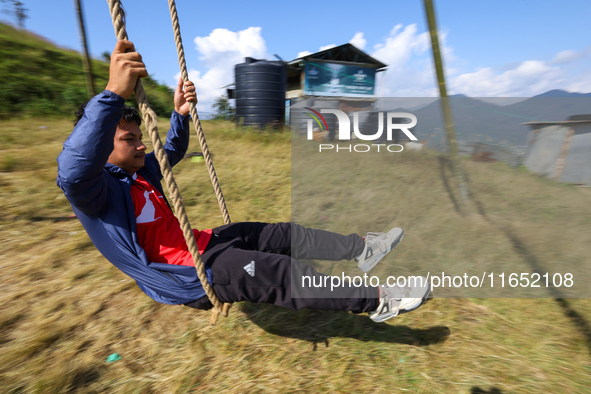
x=118, y=17
x=192, y=106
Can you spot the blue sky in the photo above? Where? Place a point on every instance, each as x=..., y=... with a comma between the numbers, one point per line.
x=491, y=49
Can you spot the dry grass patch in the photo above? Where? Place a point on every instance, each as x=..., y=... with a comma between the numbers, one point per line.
x=65, y=308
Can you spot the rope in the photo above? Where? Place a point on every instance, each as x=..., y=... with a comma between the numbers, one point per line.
x=118, y=17
x=197, y=123
x=192, y=106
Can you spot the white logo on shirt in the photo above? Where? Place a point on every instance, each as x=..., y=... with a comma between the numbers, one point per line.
x=148, y=211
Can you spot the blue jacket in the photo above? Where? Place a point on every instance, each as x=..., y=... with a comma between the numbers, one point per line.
x=100, y=194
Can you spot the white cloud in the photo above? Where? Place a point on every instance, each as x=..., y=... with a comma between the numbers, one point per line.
x=322, y=48
x=223, y=45
x=580, y=83
x=567, y=56
x=410, y=70
x=219, y=52
x=359, y=41
x=528, y=78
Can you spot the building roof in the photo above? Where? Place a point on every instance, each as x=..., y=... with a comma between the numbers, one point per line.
x=558, y=122
x=345, y=54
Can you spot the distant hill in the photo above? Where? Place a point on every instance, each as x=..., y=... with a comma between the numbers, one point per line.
x=562, y=93
x=40, y=79
x=478, y=121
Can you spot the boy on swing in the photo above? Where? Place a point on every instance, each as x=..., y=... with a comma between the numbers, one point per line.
x=115, y=191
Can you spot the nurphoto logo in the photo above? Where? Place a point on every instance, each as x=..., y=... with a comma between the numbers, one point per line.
x=344, y=127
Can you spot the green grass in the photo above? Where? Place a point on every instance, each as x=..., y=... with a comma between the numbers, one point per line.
x=41, y=79
x=65, y=308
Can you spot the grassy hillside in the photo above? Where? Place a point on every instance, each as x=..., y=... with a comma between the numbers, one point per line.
x=65, y=308
x=40, y=79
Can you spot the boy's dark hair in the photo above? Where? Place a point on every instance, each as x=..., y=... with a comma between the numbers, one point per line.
x=129, y=114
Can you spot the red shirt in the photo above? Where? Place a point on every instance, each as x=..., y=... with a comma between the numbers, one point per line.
x=159, y=231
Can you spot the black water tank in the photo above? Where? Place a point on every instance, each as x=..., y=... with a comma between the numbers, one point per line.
x=260, y=92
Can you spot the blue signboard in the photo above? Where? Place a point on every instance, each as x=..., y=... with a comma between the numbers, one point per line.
x=331, y=79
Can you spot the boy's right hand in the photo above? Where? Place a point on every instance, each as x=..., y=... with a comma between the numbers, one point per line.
x=126, y=67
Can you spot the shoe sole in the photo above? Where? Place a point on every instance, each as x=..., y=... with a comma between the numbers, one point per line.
x=415, y=305
x=411, y=305
x=368, y=266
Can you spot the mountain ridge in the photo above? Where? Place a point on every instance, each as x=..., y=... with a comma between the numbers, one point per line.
x=479, y=121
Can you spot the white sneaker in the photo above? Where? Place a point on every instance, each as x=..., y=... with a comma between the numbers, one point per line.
x=377, y=245
x=396, y=300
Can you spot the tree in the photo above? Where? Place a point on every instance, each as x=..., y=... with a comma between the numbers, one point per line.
x=85, y=56
x=18, y=10
x=223, y=109
x=106, y=56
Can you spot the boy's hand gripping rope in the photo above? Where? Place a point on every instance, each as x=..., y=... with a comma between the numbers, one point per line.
x=118, y=17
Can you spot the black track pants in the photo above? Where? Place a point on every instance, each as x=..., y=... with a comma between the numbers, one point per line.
x=255, y=261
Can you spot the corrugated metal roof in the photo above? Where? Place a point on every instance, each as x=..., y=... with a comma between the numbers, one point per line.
x=558, y=122
x=511, y=156
x=577, y=167
x=465, y=147
x=544, y=149
x=346, y=53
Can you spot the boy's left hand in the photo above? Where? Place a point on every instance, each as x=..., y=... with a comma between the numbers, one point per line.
x=183, y=96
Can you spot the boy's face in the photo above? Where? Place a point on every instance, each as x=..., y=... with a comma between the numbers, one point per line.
x=129, y=151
